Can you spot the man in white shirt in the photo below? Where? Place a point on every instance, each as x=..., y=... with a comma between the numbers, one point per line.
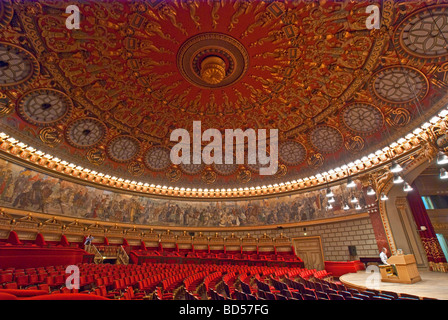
x=383, y=256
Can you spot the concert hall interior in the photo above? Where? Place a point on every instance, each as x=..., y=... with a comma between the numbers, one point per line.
x=223, y=150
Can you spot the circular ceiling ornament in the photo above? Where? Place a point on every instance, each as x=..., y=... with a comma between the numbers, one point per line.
x=326, y=139
x=96, y=156
x=136, y=168
x=17, y=66
x=208, y=176
x=212, y=60
x=44, y=107
x=173, y=174
x=123, y=148
x=85, y=132
x=50, y=136
x=225, y=169
x=158, y=158
x=399, y=85
x=192, y=169
x=362, y=118
x=316, y=160
x=354, y=144
x=423, y=34
x=244, y=176
x=292, y=152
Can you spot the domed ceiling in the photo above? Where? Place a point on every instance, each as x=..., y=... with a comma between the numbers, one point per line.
x=108, y=95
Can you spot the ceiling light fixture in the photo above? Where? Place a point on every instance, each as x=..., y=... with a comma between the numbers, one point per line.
x=332, y=200
x=370, y=191
x=395, y=168
x=443, y=174
x=442, y=158
x=407, y=187
x=398, y=179
x=329, y=193
x=384, y=197
x=350, y=183
x=354, y=199
x=346, y=207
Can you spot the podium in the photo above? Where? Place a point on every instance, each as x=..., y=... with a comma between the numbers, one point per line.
x=402, y=269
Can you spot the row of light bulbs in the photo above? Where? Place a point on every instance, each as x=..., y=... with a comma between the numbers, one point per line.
x=442, y=159
x=395, y=168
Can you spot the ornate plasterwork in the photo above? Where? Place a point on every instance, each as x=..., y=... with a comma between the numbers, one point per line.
x=302, y=67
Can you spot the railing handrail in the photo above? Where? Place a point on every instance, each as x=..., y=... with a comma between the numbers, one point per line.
x=122, y=254
x=93, y=249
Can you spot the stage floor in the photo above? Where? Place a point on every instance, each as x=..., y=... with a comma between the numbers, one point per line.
x=433, y=284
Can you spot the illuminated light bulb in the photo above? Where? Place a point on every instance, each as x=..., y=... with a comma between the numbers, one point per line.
x=407, y=187
x=351, y=183
x=442, y=158
x=443, y=174
x=398, y=179
x=395, y=167
x=370, y=191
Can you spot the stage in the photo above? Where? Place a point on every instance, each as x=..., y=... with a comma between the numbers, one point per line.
x=432, y=285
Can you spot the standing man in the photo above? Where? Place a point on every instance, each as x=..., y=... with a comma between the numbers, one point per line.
x=383, y=256
x=88, y=242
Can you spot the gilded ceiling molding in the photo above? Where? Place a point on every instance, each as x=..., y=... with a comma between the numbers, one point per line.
x=274, y=68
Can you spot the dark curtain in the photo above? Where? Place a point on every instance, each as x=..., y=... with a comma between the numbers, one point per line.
x=434, y=253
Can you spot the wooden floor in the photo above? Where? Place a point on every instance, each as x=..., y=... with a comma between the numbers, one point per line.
x=433, y=284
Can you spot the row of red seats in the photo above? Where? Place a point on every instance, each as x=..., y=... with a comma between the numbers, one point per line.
x=132, y=281
x=306, y=274
x=322, y=274
x=211, y=280
x=194, y=280
x=219, y=255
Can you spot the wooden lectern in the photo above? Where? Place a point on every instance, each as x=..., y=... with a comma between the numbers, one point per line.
x=405, y=270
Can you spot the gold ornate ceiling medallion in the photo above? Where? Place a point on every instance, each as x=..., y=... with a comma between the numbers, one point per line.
x=212, y=60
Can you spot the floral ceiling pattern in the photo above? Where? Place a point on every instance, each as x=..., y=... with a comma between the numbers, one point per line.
x=108, y=95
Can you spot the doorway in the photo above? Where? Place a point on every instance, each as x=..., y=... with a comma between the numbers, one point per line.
x=309, y=249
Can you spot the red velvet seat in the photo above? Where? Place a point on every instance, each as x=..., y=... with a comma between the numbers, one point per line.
x=22, y=281
x=44, y=287
x=6, y=277
x=11, y=285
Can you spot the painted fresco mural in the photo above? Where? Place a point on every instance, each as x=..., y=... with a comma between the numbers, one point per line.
x=25, y=189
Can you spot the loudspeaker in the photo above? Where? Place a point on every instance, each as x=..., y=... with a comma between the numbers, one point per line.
x=352, y=250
